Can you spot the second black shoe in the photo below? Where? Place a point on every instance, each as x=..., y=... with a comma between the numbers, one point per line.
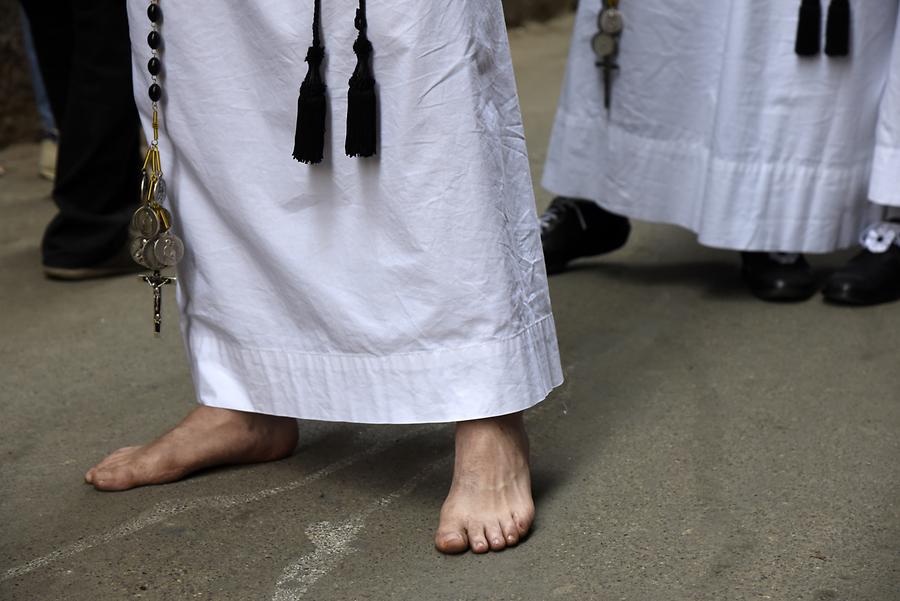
x=573, y=228
x=870, y=278
x=778, y=277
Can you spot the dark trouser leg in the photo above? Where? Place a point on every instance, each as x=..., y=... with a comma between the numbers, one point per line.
x=97, y=179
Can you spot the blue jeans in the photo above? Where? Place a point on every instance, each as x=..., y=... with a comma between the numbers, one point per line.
x=48, y=123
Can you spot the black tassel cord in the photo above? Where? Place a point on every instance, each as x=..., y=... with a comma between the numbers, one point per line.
x=361, y=101
x=309, y=138
x=809, y=28
x=837, y=31
x=837, y=28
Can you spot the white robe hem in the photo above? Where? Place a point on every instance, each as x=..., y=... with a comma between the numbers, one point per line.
x=751, y=206
x=446, y=385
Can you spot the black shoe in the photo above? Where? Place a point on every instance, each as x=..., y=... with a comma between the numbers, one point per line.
x=119, y=264
x=778, y=277
x=869, y=278
x=572, y=228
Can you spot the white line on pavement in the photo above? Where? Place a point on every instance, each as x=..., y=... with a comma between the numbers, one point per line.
x=167, y=509
x=333, y=541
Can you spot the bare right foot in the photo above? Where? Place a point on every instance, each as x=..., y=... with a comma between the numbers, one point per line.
x=489, y=506
x=207, y=437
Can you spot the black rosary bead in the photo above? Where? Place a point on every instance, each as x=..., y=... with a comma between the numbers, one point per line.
x=154, y=66
x=154, y=40
x=154, y=12
x=155, y=92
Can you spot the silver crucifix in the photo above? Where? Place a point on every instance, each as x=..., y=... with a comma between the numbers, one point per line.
x=156, y=281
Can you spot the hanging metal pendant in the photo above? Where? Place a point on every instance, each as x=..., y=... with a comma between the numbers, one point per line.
x=159, y=190
x=611, y=21
x=145, y=222
x=154, y=245
x=168, y=249
x=604, y=45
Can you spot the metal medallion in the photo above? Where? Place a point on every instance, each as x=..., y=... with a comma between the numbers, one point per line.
x=145, y=222
x=148, y=256
x=137, y=250
x=145, y=185
x=611, y=21
x=159, y=191
x=604, y=45
x=168, y=249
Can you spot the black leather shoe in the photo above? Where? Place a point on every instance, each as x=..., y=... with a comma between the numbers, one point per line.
x=778, y=277
x=119, y=264
x=573, y=228
x=869, y=278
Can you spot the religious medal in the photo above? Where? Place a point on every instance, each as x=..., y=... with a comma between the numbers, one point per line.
x=610, y=21
x=605, y=44
x=145, y=222
x=159, y=191
x=153, y=243
x=168, y=249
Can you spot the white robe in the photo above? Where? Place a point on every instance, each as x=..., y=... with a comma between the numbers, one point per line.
x=718, y=126
x=401, y=289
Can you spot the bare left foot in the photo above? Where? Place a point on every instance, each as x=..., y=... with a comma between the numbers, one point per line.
x=489, y=506
x=207, y=437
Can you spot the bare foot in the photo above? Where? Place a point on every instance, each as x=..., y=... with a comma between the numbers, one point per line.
x=489, y=506
x=207, y=437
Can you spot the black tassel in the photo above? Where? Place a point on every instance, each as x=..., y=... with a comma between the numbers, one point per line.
x=837, y=41
x=361, y=101
x=309, y=138
x=809, y=29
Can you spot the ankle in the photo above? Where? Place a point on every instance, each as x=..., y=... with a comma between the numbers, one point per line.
x=512, y=422
x=491, y=436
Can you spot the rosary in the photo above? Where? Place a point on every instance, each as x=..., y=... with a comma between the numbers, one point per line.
x=606, y=44
x=153, y=244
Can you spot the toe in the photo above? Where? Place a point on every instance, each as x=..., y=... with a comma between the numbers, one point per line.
x=523, y=521
x=510, y=531
x=451, y=542
x=101, y=478
x=495, y=537
x=112, y=479
x=478, y=542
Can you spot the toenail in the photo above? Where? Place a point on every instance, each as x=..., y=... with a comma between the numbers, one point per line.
x=497, y=541
x=511, y=538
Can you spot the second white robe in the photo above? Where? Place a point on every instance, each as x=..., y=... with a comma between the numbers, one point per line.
x=718, y=126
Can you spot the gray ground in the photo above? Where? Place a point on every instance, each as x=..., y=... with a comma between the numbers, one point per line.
x=706, y=445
